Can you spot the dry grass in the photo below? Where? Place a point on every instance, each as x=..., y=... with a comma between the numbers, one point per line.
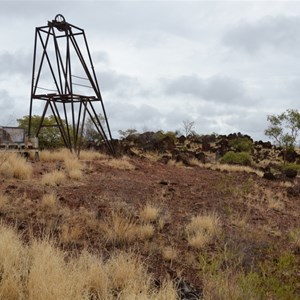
x=145, y=231
x=73, y=168
x=240, y=220
x=149, y=213
x=57, y=155
x=202, y=230
x=15, y=166
x=169, y=253
x=72, y=165
x=226, y=167
x=119, y=163
x=274, y=200
x=3, y=202
x=223, y=287
x=92, y=155
x=13, y=265
x=294, y=235
x=50, y=202
x=151, y=155
x=77, y=224
x=174, y=163
x=53, y=178
x=122, y=229
x=40, y=271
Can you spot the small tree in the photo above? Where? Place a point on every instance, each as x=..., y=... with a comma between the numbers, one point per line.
x=188, y=127
x=49, y=137
x=126, y=133
x=90, y=131
x=284, y=128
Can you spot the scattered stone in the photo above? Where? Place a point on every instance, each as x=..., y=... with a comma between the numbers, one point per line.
x=165, y=159
x=164, y=182
x=183, y=158
x=201, y=156
x=206, y=146
x=290, y=173
x=181, y=139
x=293, y=191
x=186, y=291
x=269, y=176
x=11, y=187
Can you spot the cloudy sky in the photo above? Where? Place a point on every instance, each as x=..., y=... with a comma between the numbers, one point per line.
x=224, y=65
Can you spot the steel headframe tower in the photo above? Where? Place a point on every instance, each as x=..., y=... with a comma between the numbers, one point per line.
x=60, y=52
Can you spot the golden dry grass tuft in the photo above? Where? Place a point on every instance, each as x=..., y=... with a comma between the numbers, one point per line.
x=77, y=224
x=57, y=155
x=50, y=202
x=121, y=229
x=202, y=230
x=15, y=166
x=169, y=253
x=13, y=264
x=119, y=163
x=53, y=178
x=73, y=168
x=40, y=271
x=149, y=213
x=226, y=167
x=92, y=155
x=174, y=163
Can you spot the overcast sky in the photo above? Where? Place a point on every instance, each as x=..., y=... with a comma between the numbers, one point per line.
x=224, y=65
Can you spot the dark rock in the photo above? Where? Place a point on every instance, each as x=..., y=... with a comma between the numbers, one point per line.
x=290, y=155
x=206, y=146
x=290, y=173
x=181, y=139
x=11, y=187
x=232, y=136
x=293, y=191
x=184, y=158
x=186, y=291
x=222, y=147
x=200, y=156
x=164, y=182
x=269, y=176
x=175, y=152
x=265, y=145
x=208, y=138
x=165, y=159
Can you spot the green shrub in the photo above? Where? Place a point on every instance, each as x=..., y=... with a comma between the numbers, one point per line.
x=241, y=144
x=291, y=166
x=236, y=158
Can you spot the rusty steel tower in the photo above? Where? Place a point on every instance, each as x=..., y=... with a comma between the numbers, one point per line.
x=65, y=84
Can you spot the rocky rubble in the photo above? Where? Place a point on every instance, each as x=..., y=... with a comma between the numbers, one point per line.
x=205, y=148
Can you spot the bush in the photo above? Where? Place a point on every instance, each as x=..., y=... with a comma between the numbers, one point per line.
x=241, y=144
x=236, y=158
x=290, y=166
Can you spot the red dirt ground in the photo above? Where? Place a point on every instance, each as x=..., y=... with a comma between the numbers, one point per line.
x=180, y=193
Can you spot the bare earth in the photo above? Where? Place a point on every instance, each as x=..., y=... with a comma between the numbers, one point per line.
x=251, y=225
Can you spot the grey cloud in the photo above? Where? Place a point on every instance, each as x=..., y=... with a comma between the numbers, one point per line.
x=5, y=101
x=128, y=115
x=15, y=63
x=100, y=57
x=280, y=32
x=9, y=110
x=120, y=84
x=217, y=88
